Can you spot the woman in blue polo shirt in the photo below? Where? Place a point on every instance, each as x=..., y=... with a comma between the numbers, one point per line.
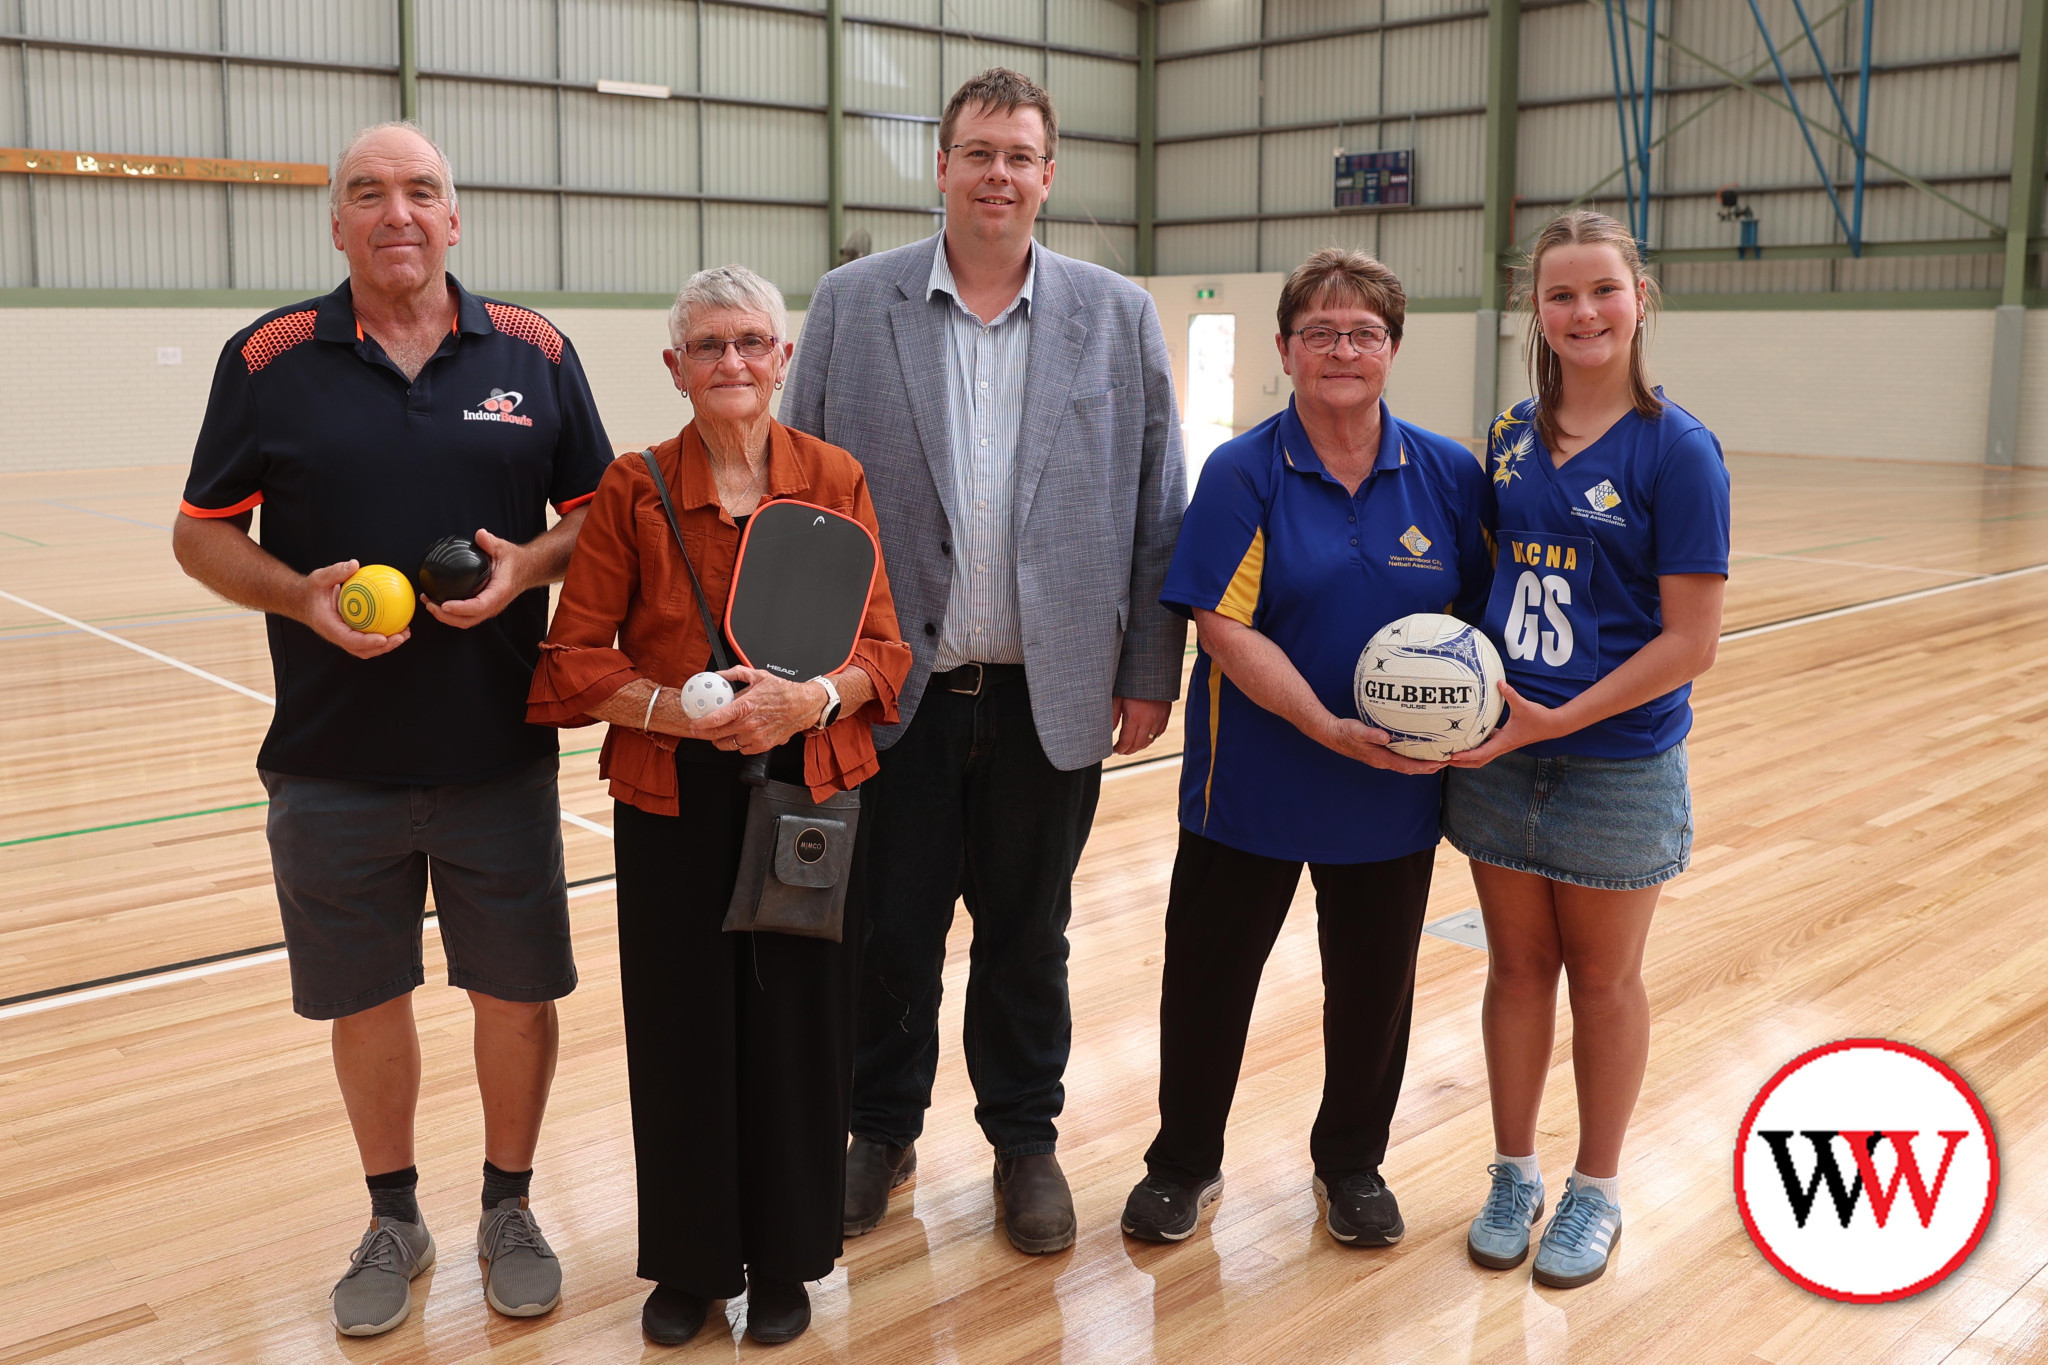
x=1305, y=536
x=1611, y=512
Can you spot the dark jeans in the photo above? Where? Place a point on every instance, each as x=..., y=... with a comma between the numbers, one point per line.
x=739, y=1053
x=1222, y=916
x=967, y=805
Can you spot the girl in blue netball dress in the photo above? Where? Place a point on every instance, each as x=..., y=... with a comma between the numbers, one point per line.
x=1610, y=514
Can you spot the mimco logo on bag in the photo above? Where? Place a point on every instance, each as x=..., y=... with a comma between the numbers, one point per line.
x=810, y=846
x=1866, y=1170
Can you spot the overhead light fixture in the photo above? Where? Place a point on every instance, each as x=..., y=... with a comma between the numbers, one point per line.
x=634, y=88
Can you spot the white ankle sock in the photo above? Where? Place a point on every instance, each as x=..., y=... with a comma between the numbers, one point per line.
x=1524, y=1166
x=1609, y=1186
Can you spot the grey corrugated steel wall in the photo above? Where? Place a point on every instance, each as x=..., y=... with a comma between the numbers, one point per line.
x=1354, y=89
x=119, y=235
x=1951, y=123
x=1944, y=122
x=610, y=230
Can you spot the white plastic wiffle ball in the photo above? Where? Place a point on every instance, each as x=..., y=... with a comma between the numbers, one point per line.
x=1432, y=683
x=704, y=694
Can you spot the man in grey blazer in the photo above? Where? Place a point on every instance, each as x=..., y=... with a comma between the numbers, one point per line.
x=1014, y=411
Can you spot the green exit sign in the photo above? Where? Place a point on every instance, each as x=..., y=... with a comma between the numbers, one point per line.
x=1205, y=293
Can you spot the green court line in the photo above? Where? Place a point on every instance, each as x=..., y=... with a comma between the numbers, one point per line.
x=181, y=815
x=24, y=540
x=130, y=824
x=1838, y=545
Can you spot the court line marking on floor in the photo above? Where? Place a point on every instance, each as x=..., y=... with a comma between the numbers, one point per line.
x=1741, y=555
x=251, y=693
x=1120, y=769
x=581, y=822
x=197, y=672
x=1896, y=599
x=129, y=824
x=185, y=815
x=146, y=981
x=36, y=1002
x=110, y=516
x=8, y=637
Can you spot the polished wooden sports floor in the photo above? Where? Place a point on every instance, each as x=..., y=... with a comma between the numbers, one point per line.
x=1870, y=768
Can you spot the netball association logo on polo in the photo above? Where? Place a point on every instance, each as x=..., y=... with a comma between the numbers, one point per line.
x=1866, y=1170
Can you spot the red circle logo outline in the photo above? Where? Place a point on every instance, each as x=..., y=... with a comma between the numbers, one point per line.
x=1846, y=1045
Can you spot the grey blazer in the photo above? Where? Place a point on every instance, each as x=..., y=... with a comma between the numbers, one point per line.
x=1101, y=482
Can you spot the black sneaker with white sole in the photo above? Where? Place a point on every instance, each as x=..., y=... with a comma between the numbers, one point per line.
x=1164, y=1210
x=1362, y=1211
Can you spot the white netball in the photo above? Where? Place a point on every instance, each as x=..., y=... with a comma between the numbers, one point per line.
x=1432, y=683
x=704, y=694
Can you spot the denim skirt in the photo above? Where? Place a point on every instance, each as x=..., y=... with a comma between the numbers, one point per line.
x=1614, y=824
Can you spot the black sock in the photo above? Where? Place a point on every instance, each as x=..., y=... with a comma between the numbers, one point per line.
x=394, y=1195
x=500, y=1185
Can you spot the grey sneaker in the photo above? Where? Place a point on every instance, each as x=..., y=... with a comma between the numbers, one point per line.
x=376, y=1293
x=522, y=1277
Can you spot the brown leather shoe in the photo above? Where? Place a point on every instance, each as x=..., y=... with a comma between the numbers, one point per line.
x=1038, y=1208
x=873, y=1169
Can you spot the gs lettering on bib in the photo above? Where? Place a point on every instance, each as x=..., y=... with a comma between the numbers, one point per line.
x=1542, y=609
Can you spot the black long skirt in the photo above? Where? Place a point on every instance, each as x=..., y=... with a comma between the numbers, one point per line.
x=739, y=1049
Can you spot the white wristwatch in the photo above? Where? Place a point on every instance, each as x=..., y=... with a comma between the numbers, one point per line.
x=831, y=712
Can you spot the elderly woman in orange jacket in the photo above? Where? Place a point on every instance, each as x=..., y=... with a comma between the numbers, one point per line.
x=738, y=1045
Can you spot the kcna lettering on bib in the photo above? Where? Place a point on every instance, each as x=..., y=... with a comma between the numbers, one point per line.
x=1547, y=618
x=1580, y=548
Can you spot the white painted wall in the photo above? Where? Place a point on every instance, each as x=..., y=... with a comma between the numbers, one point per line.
x=1431, y=383
x=1910, y=385
x=89, y=392
x=1892, y=385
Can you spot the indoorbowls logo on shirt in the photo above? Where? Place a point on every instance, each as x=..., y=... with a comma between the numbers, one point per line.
x=1832, y=1142
x=499, y=407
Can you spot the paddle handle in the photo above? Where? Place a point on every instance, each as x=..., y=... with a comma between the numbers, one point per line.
x=754, y=772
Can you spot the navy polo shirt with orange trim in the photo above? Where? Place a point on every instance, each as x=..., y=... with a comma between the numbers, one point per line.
x=1271, y=539
x=350, y=460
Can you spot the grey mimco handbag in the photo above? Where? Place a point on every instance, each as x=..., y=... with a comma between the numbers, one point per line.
x=797, y=854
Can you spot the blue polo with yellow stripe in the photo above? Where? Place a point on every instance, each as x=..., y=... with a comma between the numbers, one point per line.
x=1272, y=540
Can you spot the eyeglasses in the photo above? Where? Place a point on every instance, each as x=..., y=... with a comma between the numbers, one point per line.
x=711, y=350
x=980, y=159
x=1323, y=340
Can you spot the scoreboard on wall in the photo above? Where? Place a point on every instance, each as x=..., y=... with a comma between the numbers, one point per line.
x=1375, y=179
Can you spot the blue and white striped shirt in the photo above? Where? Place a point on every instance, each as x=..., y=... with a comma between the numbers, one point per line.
x=985, y=365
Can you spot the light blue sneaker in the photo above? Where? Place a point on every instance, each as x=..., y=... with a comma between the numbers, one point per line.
x=1582, y=1234
x=1499, y=1239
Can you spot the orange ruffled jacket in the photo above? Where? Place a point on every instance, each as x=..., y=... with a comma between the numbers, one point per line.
x=627, y=611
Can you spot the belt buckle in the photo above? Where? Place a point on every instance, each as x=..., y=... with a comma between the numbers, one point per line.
x=979, y=676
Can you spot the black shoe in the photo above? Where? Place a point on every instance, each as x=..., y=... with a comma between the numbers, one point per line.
x=777, y=1311
x=671, y=1315
x=872, y=1170
x=1038, y=1208
x=1363, y=1211
x=1163, y=1210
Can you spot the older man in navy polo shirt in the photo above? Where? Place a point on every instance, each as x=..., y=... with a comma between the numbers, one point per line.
x=370, y=423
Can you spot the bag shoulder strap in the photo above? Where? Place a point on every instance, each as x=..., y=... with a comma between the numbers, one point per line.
x=720, y=660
